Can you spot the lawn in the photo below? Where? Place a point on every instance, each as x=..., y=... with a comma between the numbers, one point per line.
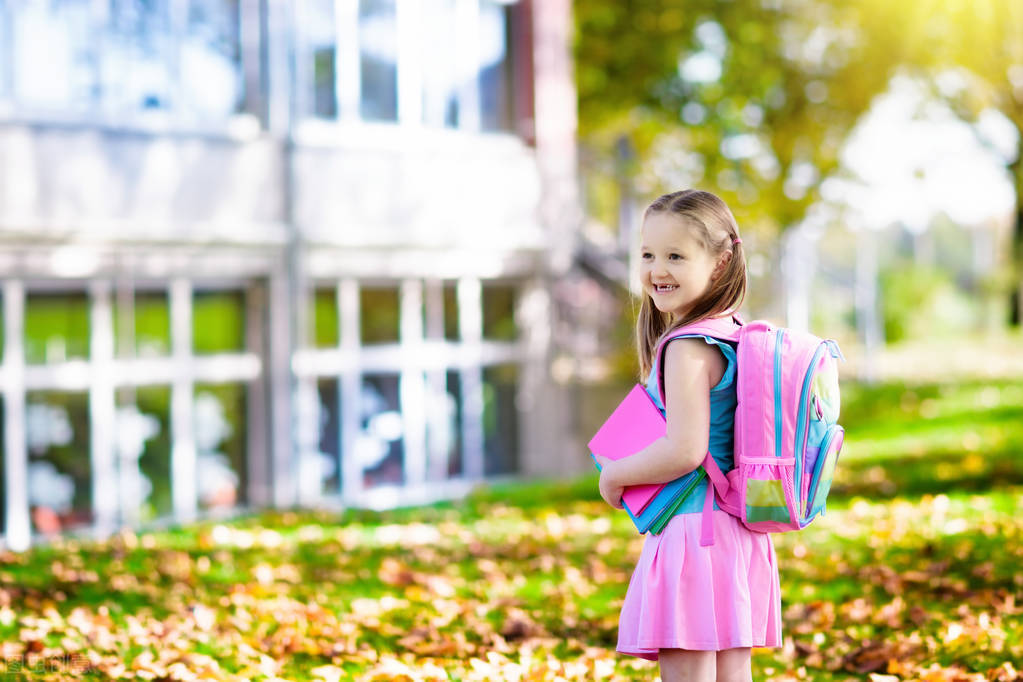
x=912, y=574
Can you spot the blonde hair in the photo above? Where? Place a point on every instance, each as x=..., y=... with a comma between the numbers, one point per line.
x=712, y=224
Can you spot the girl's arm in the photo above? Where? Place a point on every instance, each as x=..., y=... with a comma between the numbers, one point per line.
x=691, y=368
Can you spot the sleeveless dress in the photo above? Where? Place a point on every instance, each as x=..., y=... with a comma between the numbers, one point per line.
x=684, y=596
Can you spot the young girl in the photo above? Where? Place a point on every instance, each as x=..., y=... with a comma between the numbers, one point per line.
x=697, y=610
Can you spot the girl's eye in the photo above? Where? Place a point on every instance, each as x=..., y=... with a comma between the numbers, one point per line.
x=647, y=256
x=674, y=256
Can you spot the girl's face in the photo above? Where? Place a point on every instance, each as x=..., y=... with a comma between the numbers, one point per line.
x=675, y=269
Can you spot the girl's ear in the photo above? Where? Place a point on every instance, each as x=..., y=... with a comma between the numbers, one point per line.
x=721, y=265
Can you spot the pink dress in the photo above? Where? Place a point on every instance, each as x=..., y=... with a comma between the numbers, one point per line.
x=684, y=596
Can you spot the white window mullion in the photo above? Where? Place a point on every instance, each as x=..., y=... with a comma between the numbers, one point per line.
x=102, y=409
x=413, y=386
x=184, y=488
x=470, y=324
x=438, y=435
x=347, y=66
x=350, y=387
x=18, y=531
x=410, y=61
x=467, y=22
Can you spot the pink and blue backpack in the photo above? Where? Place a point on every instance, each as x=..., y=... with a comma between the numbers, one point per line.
x=787, y=436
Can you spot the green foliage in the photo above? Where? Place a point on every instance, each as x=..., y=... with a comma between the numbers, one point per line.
x=218, y=322
x=794, y=78
x=921, y=301
x=56, y=327
x=326, y=328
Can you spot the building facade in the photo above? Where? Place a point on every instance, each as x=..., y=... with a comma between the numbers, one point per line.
x=261, y=252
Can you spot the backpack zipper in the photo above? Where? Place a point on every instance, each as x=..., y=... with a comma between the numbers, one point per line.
x=780, y=336
x=802, y=428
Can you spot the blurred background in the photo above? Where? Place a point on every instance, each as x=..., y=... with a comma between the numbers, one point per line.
x=372, y=252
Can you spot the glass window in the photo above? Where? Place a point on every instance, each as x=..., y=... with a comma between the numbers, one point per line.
x=444, y=425
x=330, y=434
x=380, y=445
x=500, y=419
x=450, y=312
x=56, y=327
x=126, y=56
x=5, y=52
x=143, y=422
x=210, y=73
x=317, y=39
x=59, y=470
x=150, y=333
x=218, y=322
x=51, y=63
x=378, y=60
x=380, y=314
x=325, y=322
x=220, y=443
x=152, y=324
x=499, y=312
x=441, y=77
x=495, y=76
x=324, y=81
x=3, y=468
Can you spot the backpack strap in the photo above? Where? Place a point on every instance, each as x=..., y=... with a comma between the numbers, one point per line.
x=725, y=329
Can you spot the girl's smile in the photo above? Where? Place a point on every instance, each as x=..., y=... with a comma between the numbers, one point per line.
x=675, y=268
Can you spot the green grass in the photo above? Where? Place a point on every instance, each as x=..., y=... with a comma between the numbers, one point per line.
x=913, y=572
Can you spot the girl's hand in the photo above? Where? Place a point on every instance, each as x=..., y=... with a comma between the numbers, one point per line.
x=610, y=490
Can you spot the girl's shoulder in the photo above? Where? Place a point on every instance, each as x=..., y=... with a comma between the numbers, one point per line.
x=690, y=356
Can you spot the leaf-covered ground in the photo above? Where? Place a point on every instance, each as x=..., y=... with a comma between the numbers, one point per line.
x=525, y=582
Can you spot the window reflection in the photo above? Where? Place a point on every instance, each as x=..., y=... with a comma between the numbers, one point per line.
x=441, y=70
x=378, y=60
x=220, y=442
x=316, y=35
x=379, y=312
x=149, y=416
x=445, y=424
x=56, y=327
x=380, y=445
x=450, y=312
x=3, y=467
x=325, y=321
x=59, y=472
x=500, y=419
x=495, y=67
x=499, y=312
x=150, y=331
x=330, y=433
x=218, y=324
x=127, y=56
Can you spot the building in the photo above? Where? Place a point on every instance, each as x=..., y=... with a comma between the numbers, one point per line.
x=272, y=252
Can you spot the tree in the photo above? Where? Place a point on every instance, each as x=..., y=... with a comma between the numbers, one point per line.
x=751, y=98
x=974, y=54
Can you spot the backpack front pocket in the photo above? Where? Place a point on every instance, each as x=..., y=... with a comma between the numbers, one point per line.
x=824, y=469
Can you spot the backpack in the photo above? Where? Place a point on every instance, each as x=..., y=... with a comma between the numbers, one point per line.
x=787, y=436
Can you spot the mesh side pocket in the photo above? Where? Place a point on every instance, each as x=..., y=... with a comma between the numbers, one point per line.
x=765, y=501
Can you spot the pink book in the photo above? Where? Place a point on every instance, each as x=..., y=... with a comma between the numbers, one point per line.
x=634, y=424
